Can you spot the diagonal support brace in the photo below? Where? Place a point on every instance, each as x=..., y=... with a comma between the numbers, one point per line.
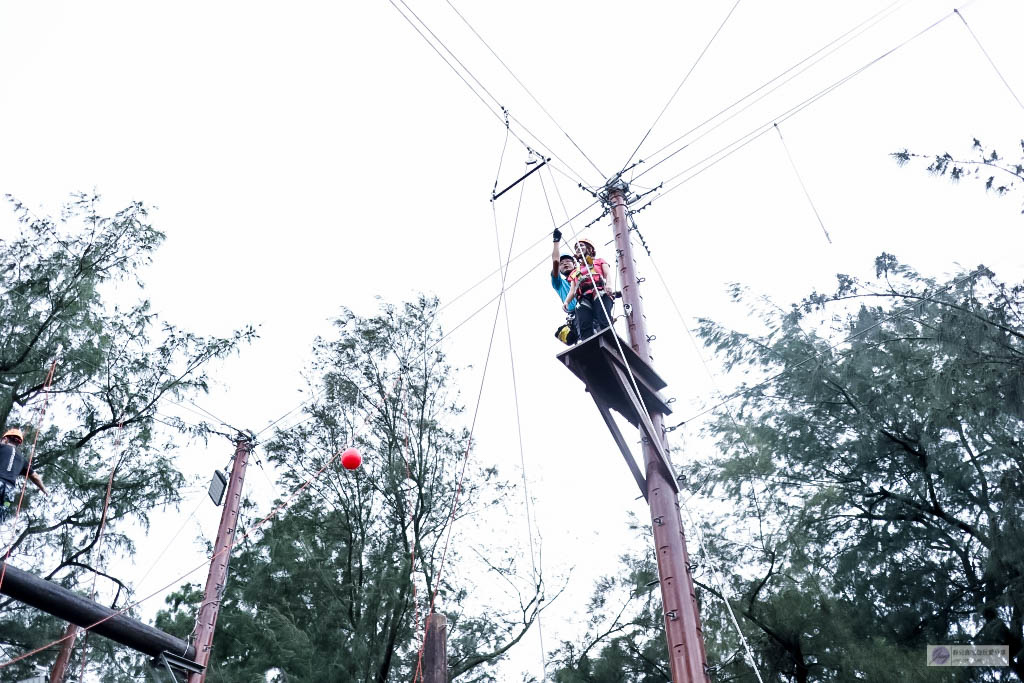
x=646, y=426
x=621, y=443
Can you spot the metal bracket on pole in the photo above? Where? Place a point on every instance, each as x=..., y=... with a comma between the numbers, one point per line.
x=173, y=662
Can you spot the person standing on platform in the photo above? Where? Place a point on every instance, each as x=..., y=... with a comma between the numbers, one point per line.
x=590, y=286
x=12, y=466
x=561, y=266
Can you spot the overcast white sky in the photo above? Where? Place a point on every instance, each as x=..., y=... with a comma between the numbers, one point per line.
x=309, y=155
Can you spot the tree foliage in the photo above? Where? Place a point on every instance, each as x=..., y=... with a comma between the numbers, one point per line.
x=874, y=478
x=984, y=164
x=114, y=363
x=328, y=592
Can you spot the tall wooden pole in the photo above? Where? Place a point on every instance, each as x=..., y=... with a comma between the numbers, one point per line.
x=435, y=650
x=60, y=666
x=216, y=580
x=682, y=616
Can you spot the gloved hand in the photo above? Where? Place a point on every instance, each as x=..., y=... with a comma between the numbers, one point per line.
x=557, y=235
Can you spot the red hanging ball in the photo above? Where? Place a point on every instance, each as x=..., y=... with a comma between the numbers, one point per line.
x=351, y=459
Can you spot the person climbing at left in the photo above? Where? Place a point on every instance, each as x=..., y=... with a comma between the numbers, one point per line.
x=590, y=287
x=12, y=466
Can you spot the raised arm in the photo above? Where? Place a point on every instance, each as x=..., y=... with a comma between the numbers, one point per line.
x=557, y=235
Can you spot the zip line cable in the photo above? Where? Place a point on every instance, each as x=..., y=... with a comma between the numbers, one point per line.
x=838, y=42
x=501, y=160
x=989, y=58
x=235, y=541
x=537, y=140
x=807, y=194
x=558, y=193
x=451, y=54
x=523, y=86
x=469, y=441
x=757, y=132
x=207, y=412
x=519, y=437
x=681, y=84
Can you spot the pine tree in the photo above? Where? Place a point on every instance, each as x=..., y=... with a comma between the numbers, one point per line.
x=873, y=474
x=326, y=592
x=114, y=365
x=984, y=164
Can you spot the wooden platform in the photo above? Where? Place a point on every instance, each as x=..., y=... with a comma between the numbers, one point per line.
x=601, y=365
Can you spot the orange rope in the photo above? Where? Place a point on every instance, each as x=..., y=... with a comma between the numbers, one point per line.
x=286, y=503
x=28, y=467
x=99, y=546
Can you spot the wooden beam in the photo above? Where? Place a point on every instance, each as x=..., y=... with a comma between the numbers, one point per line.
x=71, y=607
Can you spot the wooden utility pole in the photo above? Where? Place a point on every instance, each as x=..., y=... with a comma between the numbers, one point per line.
x=435, y=650
x=216, y=580
x=60, y=667
x=682, y=617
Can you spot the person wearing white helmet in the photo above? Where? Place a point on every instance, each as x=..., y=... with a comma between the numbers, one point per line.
x=12, y=466
x=590, y=286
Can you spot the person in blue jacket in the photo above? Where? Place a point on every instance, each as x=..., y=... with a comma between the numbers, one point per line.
x=561, y=266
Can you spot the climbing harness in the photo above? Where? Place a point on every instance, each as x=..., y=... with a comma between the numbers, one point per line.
x=590, y=279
